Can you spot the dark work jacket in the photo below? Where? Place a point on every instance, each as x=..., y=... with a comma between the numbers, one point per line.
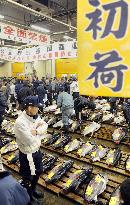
x=3, y=102
x=24, y=92
x=18, y=87
x=41, y=93
x=11, y=192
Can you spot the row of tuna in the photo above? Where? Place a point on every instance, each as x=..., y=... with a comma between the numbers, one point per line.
x=96, y=152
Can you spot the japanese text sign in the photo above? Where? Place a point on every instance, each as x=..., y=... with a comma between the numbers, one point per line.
x=103, y=47
x=14, y=33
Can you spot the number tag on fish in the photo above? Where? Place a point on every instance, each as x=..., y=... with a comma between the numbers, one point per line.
x=68, y=183
x=57, y=142
x=93, y=154
x=110, y=160
x=11, y=157
x=79, y=151
x=89, y=191
x=78, y=171
x=101, y=148
x=50, y=175
x=113, y=201
x=98, y=179
x=66, y=147
x=128, y=165
x=13, y=142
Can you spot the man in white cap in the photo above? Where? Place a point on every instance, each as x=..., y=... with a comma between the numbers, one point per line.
x=11, y=192
x=29, y=130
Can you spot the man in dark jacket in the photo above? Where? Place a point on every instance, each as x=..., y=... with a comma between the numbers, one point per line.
x=41, y=92
x=3, y=104
x=125, y=192
x=24, y=92
x=18, y=86
x=11, y=192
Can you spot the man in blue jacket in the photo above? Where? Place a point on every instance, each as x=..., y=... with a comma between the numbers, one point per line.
x=66, y=103
x=11, y=192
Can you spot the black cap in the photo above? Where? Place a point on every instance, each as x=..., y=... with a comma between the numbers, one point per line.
x=31, y=101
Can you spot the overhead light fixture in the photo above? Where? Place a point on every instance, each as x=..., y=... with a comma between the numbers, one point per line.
x=1, y=16
x=38, y=28
x=66, y=37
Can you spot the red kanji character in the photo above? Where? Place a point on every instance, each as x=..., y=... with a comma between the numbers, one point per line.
x=9, y=30
x=21, y=33
x=33, y=36
x=43, y=38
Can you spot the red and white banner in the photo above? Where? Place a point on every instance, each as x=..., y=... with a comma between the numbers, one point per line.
x=53, y=51
x=14, y=33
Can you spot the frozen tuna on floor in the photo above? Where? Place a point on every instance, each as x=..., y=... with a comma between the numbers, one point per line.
x=11, y=146
x=119, y=135
x=115, y=197
x=93, y=127
x=58, y=171
x=99, y=153
x=113, y=157
x=96, y=186
x=62, y=141
x=73, y=145
x=86, y=149
x=77, y=178
x=48, y=162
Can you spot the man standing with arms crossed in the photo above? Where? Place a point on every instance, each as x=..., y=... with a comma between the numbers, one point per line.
x=29, y=129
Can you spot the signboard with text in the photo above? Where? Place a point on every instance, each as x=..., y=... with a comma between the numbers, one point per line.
x=103, y=47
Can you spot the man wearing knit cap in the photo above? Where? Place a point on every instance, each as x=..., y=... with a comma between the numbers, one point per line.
x=29, y=130
x=11, y=192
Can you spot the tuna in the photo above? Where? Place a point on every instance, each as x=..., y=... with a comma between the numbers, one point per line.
x=48, y=162
x=58, y=124
x=127, y=164
x=58, y=171
x=11, y=146
x=93, y=127
x=14, y=158
x=99, y=153
x=51, y=121
x=52, y=139
x=62, y=141
x=58, y=112
x=77, y=178
x=86, y=149
x=46, y=138
x=115, y=197
x=113, y=157
x=119, y=135
x=4, y=141
x=75, y=126
x=96, y=117
x=73, y=145
x=96, y=186
x=50, y=108
x=119, y=119
x=107, y=117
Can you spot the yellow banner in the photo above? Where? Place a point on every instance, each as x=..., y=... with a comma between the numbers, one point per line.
x=104, y=47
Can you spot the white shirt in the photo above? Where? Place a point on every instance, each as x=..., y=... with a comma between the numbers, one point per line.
x=74, y=87
x=12, y=89
x=28, y=143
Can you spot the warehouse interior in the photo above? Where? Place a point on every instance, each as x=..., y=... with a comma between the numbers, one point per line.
x=64, y=113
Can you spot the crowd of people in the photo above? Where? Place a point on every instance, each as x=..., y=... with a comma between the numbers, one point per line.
x=29, y=97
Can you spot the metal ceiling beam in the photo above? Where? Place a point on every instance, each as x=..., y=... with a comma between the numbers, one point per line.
x=39, y=14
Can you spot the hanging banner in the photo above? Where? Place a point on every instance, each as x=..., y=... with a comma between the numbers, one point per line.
x=53, y=51
x=103, y=47
x=14, y=33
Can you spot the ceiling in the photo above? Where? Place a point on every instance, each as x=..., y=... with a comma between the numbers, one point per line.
x=49, y=14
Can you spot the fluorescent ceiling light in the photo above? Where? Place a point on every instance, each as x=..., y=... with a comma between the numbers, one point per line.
x=1, y=16
x=38, y=28
x=66, y=37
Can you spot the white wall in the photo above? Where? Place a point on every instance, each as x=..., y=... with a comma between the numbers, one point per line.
x=6, y=70
x=42, y=67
